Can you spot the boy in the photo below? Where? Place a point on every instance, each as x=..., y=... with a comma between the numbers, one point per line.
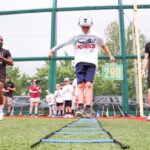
x=50, y=100
x=86, y=46
x=68, y=95
x=59, y=98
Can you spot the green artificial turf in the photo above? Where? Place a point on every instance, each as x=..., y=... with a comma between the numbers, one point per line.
x=20, y=133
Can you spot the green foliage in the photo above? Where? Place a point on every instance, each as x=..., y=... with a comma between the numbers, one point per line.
x=21, y=81
x=112, y=37
x=64, y=70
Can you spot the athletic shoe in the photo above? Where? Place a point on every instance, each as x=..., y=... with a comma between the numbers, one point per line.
x=88, y=113
x=35, y=115
x=66, y=116
x=1, y=116
x=79, y=113
x=70, y=116
x=49, y=116
x=148, y=118
x=8, y=114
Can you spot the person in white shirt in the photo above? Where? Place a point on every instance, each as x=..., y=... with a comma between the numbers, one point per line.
x=68, y=91
x=86, y=45
x=59, y=98
x=50, y=100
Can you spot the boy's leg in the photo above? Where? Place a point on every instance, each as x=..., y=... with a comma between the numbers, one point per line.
x=81, y=96
x=80, y=72
x=61, y=110
x=81, y=99
x=90, y=72
x=89, y=93
x=57, y=109
x=1, y=100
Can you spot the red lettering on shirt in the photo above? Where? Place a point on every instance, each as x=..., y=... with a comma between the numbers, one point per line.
x=85, y=46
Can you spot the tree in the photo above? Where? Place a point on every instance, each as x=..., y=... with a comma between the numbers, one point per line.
x=112, y=39
x=20, y=80
x=64, y=70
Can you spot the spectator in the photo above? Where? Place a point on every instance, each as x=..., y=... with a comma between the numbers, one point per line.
x=9, y=88
x=5, y=59
x=59, y=100
x=68, y=95
x=35, y=94
x=50, y=100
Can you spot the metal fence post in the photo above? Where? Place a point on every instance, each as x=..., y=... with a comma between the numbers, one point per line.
x=123, y=52
x=53, y=42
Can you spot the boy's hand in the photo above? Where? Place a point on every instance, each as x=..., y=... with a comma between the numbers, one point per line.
x=112, y=58
x=51, y=54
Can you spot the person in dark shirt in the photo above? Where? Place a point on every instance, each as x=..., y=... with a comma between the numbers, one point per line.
x=9, y=88
x=5, y=59
x=146, y=65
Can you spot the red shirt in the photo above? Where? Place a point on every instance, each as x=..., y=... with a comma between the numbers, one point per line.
x=36, y=89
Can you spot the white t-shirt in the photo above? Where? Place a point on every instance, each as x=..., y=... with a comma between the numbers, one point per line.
x=50, y=99
x=59, y=96
x=67, y=91
x=86, y=47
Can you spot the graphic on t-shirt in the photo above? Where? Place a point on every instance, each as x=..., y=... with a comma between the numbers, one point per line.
x=86, y=43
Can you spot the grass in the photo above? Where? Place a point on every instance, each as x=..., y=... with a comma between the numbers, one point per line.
x=19, y=134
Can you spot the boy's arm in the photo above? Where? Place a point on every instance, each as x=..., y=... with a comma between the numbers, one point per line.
x=107, y=51
x=57, y=47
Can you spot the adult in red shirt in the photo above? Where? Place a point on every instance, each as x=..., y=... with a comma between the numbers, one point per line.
x=35, y=94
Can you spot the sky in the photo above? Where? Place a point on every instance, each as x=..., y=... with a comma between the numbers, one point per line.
x=28, y=35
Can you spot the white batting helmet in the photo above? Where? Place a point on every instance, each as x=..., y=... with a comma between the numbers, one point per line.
x=85, y=21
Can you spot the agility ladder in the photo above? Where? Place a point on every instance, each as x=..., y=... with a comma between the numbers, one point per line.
x=81, y=127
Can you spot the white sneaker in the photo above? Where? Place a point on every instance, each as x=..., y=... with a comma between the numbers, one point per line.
x=148, y=118
x=1, y=116
x=70, y=116
x=66, y=116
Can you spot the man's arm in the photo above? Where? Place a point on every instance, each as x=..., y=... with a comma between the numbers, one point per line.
x=57, y=47
x=107, y=51
x=8, y=61
x=4, y=90
x=145, y=64
x=12, y=89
